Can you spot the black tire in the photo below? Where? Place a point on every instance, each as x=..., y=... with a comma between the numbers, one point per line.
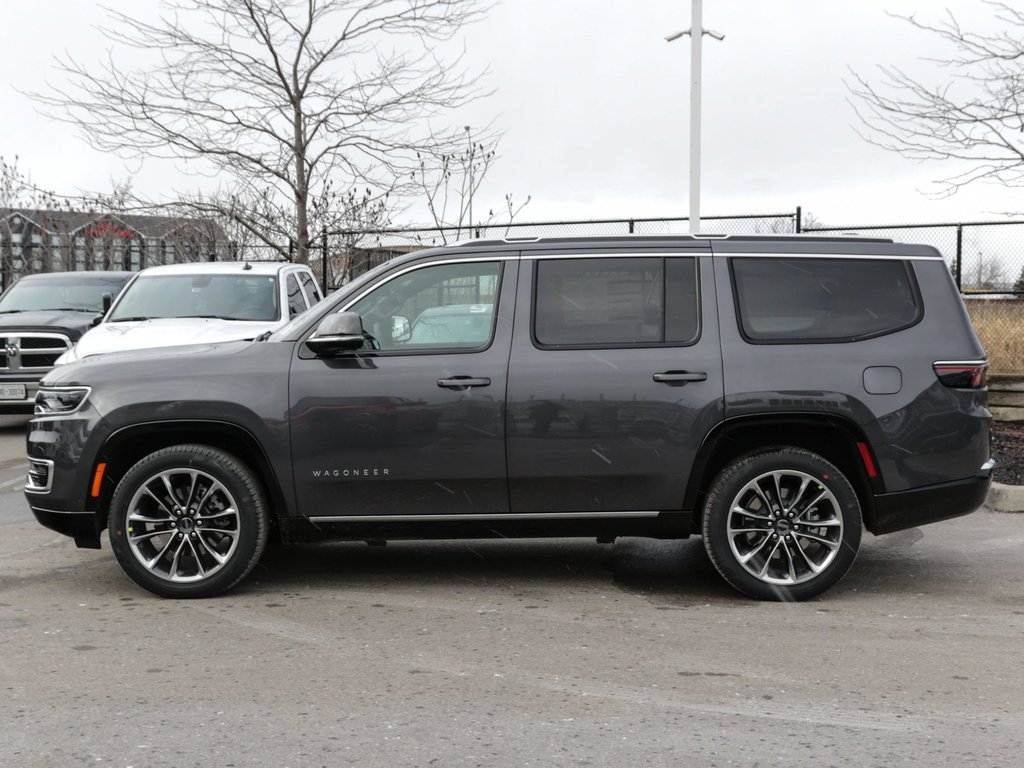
x=783, y=524
x=188, y=521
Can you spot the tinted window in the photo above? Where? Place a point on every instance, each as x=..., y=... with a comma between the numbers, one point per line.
x=296, y=304
x=611, y=302
x=798, y=299
x=309, y=288
x=448, y=306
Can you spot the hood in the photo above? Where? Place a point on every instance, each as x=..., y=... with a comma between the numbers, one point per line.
x=166, y=332
x=71, y=322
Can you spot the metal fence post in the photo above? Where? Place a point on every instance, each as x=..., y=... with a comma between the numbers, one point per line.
x=323, y=261
x=291, y=249
x=632, y=226
x=799, y=220
x=958, y=267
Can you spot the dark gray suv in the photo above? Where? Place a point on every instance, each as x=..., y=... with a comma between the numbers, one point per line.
x=774, y=395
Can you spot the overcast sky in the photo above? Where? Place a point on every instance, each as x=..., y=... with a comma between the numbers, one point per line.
x=594, y=105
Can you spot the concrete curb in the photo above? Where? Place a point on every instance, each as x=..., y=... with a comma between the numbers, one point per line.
x=1005, y=498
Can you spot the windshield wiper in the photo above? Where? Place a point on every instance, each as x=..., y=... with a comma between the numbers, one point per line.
x=128, y=319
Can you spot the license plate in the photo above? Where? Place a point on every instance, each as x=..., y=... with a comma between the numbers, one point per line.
x=12, y=391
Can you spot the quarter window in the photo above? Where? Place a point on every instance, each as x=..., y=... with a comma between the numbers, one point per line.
x=613, y=302
x=296, y=304
x=447, y=306
x=309, y=288
x=823, y=300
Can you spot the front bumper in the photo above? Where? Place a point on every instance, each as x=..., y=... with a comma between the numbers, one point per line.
x=81, y=526
x=909, y=509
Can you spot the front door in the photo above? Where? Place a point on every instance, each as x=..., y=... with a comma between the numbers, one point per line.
x=416, y=427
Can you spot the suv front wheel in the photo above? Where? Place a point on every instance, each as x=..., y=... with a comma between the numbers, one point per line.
x=188, y=521
x=782, y=525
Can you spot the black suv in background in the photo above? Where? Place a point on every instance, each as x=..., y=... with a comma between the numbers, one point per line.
x=41, y=317
x=774, y=395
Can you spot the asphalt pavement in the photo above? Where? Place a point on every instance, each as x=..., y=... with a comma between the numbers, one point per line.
x=514, y=653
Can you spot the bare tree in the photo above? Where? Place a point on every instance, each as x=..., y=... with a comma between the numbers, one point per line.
x=449, y=184
x=974, y=116
x=279, y=96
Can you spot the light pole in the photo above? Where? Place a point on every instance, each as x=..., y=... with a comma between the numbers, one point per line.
x=469, y=136
x=696, y=33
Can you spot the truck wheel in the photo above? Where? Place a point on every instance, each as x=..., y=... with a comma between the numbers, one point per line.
x=188, y=521
x=782, y=525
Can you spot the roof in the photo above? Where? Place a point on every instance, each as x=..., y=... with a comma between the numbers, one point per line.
x=113, y=224
x=220, y=268
x=82, y=275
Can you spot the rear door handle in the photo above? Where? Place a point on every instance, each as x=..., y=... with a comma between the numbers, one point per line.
x=462, y=383
x=679, y=378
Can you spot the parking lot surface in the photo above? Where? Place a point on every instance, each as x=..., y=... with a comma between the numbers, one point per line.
x=518, y=653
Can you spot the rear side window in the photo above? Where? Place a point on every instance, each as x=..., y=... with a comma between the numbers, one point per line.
x=610, y=302
x=296, y=304
x=823, y=300
x=309, y=288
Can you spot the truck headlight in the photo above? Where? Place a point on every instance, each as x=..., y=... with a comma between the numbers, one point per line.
x=55, y=402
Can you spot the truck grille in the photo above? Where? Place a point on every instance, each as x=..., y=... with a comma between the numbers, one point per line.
x=31, y=351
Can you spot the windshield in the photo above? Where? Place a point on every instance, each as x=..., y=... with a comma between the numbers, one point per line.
x=229, y=297
x=67, y=292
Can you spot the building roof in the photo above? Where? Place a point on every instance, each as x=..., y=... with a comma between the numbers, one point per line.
x=110, y=224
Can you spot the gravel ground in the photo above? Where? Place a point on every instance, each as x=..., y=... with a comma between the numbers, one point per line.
x=1008, y=451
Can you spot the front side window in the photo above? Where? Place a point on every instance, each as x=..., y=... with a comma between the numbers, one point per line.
x=447, y=306
x=608, y=302
x=822, y=299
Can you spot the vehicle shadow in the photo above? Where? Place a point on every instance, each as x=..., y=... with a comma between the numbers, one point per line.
x=667, y=570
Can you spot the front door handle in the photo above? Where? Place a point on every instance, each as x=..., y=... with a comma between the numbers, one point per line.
x=679, y=378
x=462, y=383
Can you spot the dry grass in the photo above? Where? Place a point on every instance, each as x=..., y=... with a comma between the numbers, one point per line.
x=1000, y=326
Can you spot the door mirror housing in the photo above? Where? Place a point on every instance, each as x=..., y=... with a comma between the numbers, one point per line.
x=338, y=332
x=108, y=299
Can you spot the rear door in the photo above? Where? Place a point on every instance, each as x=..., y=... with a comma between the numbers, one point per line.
x=615, y=378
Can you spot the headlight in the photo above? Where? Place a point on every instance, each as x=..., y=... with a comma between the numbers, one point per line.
x=54, y=402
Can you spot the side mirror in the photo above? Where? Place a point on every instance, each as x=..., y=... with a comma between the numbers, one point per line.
x=339, y=332
x=400, y=330
x=108, y=299
x=96, y=321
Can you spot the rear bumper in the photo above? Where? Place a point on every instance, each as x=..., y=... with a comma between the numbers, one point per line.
x=81, y=526
x=909, y=509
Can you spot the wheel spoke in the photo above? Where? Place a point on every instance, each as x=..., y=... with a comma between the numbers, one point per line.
x=151, y=563
x=213, y=553
x=818, y=499
x=799, y=494
x=810, y=563
x=789, y=557
x=230, y=511
x=195, y=554
x=190, y=497
x=768, y=560
x=740, y=510
x=148, y=535
x=157, y=499
x=833, y=545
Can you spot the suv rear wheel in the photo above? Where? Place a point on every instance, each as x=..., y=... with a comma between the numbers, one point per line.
x=188, y=521
x=782, y=525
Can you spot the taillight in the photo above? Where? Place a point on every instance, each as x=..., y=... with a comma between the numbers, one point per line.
x=962, y=375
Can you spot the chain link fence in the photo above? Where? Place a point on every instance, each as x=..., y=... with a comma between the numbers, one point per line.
x=986, y=259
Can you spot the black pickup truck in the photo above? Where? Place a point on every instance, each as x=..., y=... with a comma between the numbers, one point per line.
x=41, y=317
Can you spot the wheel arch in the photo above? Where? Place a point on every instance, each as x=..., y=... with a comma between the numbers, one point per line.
x=125, y=447
x=832, y=437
